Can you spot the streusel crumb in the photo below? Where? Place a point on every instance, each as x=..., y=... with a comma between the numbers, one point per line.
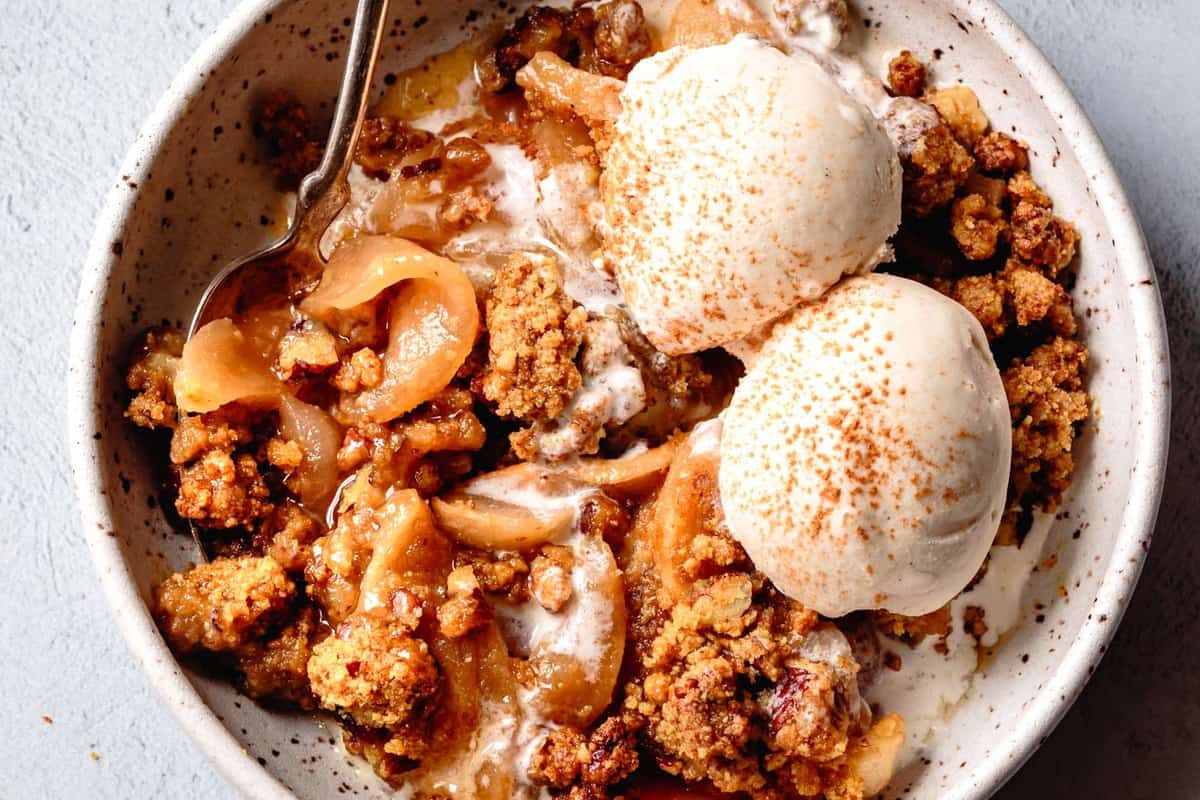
x=275, y=669
x=934, y=170
x=151, y=378
x=373, y=670
x=307, y=347
x=914, y=629
x=503, y=574
x=550, y=577
x=1040, y=237
x=223, y=490
x=1046, y=394
x=285, y=454
x=558, y=760
x=977, y=226
x=224, y=430
x=286, y=535
x=1023, y=189
x=466, y=609
x=363, y=370
x=534, y=332
x=222, y=605
x=906, y=75
x=998, y=153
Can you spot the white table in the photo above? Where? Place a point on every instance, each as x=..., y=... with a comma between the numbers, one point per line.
x=76, y=79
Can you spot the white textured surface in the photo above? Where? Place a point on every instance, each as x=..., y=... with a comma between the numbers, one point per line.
x=76, y=81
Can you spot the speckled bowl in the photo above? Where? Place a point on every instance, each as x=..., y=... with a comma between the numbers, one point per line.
x=192, y=195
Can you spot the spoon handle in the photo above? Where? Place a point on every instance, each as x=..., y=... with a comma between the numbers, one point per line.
x=323, y=193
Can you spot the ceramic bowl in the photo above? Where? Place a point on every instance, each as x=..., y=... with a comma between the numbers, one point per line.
x=193, y=195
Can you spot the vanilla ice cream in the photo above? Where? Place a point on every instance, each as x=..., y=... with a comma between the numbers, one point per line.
x=740, y=181
x=865, y=455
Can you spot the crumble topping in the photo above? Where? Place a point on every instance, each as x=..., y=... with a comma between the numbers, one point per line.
x=999, y=153
x=274, y=670
x=1045, y=391
x=150, y=378
x=223, y=490
x=374, y=670
x=934, y=168
x=534, y=333
x=224, y=604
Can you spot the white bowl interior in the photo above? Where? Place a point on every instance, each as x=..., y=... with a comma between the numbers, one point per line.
x=203, y=198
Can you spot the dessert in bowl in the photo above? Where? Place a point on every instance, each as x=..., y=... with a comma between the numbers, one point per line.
x=645, y=428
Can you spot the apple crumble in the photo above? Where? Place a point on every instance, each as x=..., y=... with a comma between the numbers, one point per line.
x=600, y=459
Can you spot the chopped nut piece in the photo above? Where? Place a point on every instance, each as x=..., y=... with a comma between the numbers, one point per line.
x=539, y=29
x=550, y=577
x=906, y=75
x=385, y=142
x=464, y=158
x=284, y=454
x=826, y=20
x=307, y=347
x=621, y=35
x=977, y=226
x=466, y=610
x=223, y=604
x=959, y=106
x=363, y=370
x=1000, y=154
x=612, y=753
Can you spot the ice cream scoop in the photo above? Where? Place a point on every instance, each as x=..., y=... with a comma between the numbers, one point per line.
x=738, y=182
x=865, y=454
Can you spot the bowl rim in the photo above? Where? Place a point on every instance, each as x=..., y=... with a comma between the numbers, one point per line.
x=1040, y=717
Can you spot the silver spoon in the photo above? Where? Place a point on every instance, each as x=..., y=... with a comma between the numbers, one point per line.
x=322, y=193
